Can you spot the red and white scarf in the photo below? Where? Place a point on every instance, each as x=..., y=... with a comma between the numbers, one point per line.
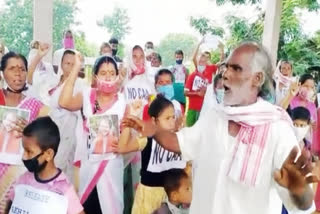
x=255, y=121
x=280, y=78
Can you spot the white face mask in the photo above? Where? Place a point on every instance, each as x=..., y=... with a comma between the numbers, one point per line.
x=219, y=95
x=201, y=68
x=301, y=132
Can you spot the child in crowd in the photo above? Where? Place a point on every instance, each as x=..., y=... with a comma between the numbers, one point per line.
x=301, y=120
x=164, y=85
x=44, y=188
x=177, y=185
x=156, y=161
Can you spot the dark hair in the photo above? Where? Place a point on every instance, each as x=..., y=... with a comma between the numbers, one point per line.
x=137, y=47
x=67, y=31
x=45, y=131
x=158, y=56
x=6, y=57
x=208, y=53
x=216, y=79
x=162, y=72
x=104, y=59
x=300, y=113
x=158, y=105
x=305, y=77
x=113, y=41
x=179, y=52
x=149, y=43
x=172, y=180
x=66, y=52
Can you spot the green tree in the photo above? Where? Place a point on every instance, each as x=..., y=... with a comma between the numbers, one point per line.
x=172, y=42
x=117, y=23
x=204, y=25
x=87, y=49
x=63, y=19
x=16, y=23
x=311, y=5
x=294, y=44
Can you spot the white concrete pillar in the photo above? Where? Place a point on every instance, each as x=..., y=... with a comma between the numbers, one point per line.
x=271, y=30
x=43, y=23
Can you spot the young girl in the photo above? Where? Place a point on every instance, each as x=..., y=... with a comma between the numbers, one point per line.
x=101, y=182
x=155, y=159
x=45, y=188
x=14, y=69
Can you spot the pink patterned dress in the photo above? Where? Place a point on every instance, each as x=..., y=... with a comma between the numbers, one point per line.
x=9, y=173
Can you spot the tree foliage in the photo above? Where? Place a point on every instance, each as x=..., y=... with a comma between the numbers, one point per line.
x=87, y=49
x=16, y=25
x=172, y=42
x=204, y=25
x=117, y=23
x=63, y=19
x=294, y=45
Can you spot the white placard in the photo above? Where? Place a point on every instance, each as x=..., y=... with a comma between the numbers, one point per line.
x=30, y=200
x=163, y=160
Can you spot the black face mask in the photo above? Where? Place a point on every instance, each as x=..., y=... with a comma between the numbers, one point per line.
x=33, y=164
x=114, y=52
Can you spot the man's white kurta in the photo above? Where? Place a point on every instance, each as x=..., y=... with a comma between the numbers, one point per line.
x=210, y=146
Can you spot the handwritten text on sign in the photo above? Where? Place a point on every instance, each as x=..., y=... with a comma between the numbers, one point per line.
x=163, y=160
x=137, y=93
x=198, y=83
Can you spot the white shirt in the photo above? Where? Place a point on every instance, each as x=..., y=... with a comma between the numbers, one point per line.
x=139, y=88
x=57, y=57
x=209, y=99
x=210, y=145
x=152, y=72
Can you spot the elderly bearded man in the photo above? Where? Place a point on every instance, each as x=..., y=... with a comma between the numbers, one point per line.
x=247, y=155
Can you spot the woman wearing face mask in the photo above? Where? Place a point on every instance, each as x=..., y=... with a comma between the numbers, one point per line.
x=67, y=44
x=14, y=69
x=137, y=89
x=101, y=182
x=66, y=119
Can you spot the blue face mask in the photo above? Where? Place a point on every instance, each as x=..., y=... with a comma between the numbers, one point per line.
x=179, y=61
x=167, y=91
x=219, y=95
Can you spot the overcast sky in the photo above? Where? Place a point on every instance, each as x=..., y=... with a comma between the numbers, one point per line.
x=153, y=19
